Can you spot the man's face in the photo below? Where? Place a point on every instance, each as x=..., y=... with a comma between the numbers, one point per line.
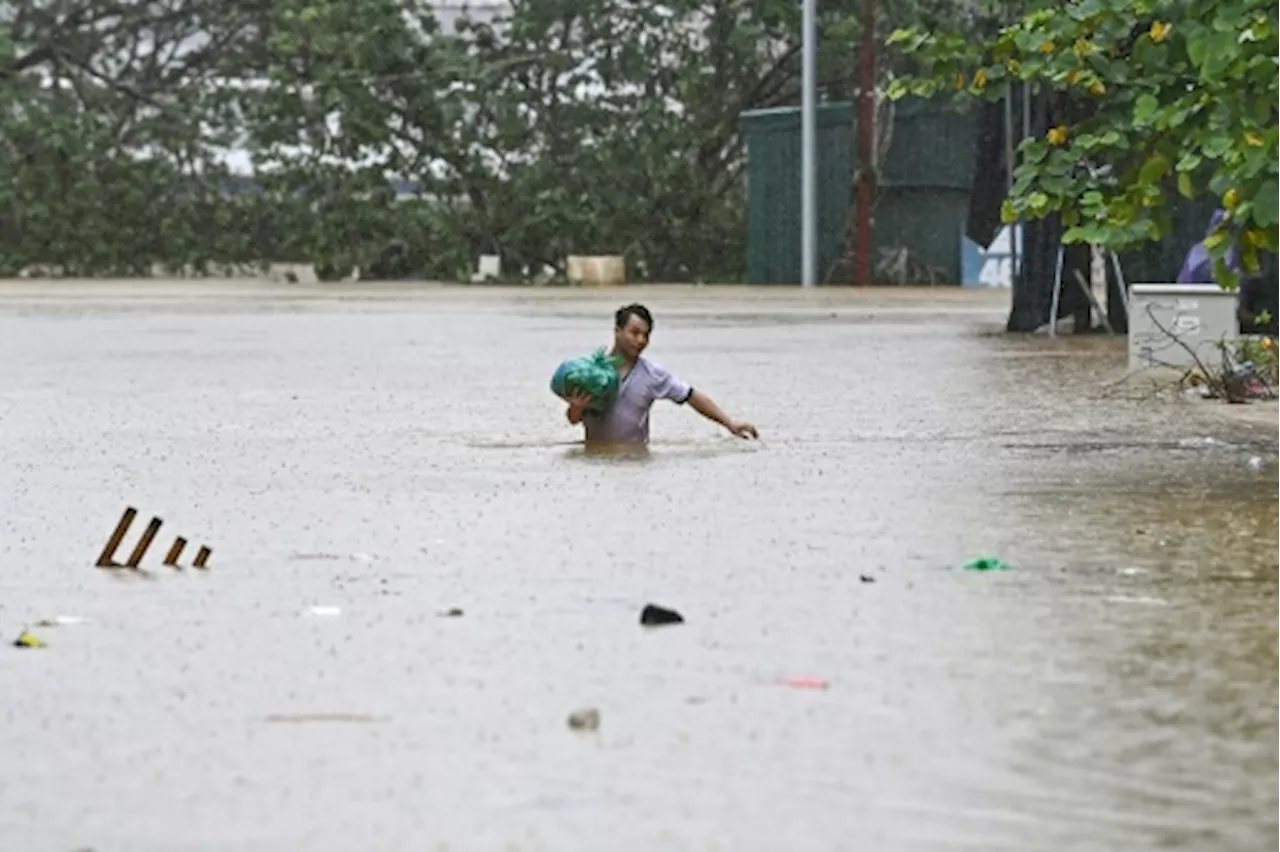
x=632, y=338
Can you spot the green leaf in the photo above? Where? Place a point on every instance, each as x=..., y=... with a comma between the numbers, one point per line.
x=1087, y=142
x=1033, y=152
x=1092, y=232
x=1155, y=168
x=1144, y=108
x=1189, y=162
x=1216, y=147
x=1265, y=205
x=1197, y=46
x=1221, y=182
x=1083, y=10
x=1225, y=276
x=1249, y=257
x=1056, y=184
x=1186, y=186
x=1220, y=53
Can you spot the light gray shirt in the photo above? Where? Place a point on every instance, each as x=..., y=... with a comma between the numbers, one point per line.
x=627, y=422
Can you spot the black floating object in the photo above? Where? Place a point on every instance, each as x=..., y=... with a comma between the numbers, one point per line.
x=653, y=616
x=866, y=578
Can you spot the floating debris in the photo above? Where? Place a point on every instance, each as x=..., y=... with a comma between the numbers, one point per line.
x=454, y=612
x=27, y=639
x=987, y=563
x=655, y=616
x=326, y=611
x=807, y=682
x=60, y=621
x=586, y=719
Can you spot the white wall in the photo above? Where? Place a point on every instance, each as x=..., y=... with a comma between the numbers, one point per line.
x=449, y=11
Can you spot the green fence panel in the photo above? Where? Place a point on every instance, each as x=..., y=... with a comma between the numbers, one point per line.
x=921, y=207
x=773, y=189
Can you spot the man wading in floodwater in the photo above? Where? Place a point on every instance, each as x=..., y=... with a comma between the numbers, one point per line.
x=642, y=382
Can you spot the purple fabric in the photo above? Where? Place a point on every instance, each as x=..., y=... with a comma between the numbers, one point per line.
x=627, y=422
x=1198, y=267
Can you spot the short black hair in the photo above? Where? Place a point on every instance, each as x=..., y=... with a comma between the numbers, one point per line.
x=626, y=312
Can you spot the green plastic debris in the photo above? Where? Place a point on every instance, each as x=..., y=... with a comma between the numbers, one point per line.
x=987, y=563
x=595, y=374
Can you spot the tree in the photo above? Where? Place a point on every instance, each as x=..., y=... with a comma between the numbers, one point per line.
x=555, y=128
x=613, y=124
x=626, y=130
x=1159, y=96
x=111, y=129
x=558, y=127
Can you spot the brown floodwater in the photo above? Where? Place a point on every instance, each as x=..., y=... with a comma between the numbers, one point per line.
x=362, y=460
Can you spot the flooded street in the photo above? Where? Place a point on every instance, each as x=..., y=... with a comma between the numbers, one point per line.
x=388, y=453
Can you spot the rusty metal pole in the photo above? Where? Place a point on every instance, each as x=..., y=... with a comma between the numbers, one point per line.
x=866, y=140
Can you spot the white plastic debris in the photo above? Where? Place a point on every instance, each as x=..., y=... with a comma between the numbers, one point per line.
x=60, y=621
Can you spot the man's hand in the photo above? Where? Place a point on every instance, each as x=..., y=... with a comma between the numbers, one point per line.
x=577, y=407
x=703, y=405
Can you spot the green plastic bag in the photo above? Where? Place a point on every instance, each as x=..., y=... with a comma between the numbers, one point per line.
x=596, y=374
x=987, y=563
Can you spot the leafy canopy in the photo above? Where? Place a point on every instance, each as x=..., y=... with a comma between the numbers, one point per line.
x=1167, y=96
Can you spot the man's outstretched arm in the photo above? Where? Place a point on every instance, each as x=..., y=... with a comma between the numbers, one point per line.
x=706, y=406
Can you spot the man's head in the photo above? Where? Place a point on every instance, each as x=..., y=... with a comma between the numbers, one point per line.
x=632, y=325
